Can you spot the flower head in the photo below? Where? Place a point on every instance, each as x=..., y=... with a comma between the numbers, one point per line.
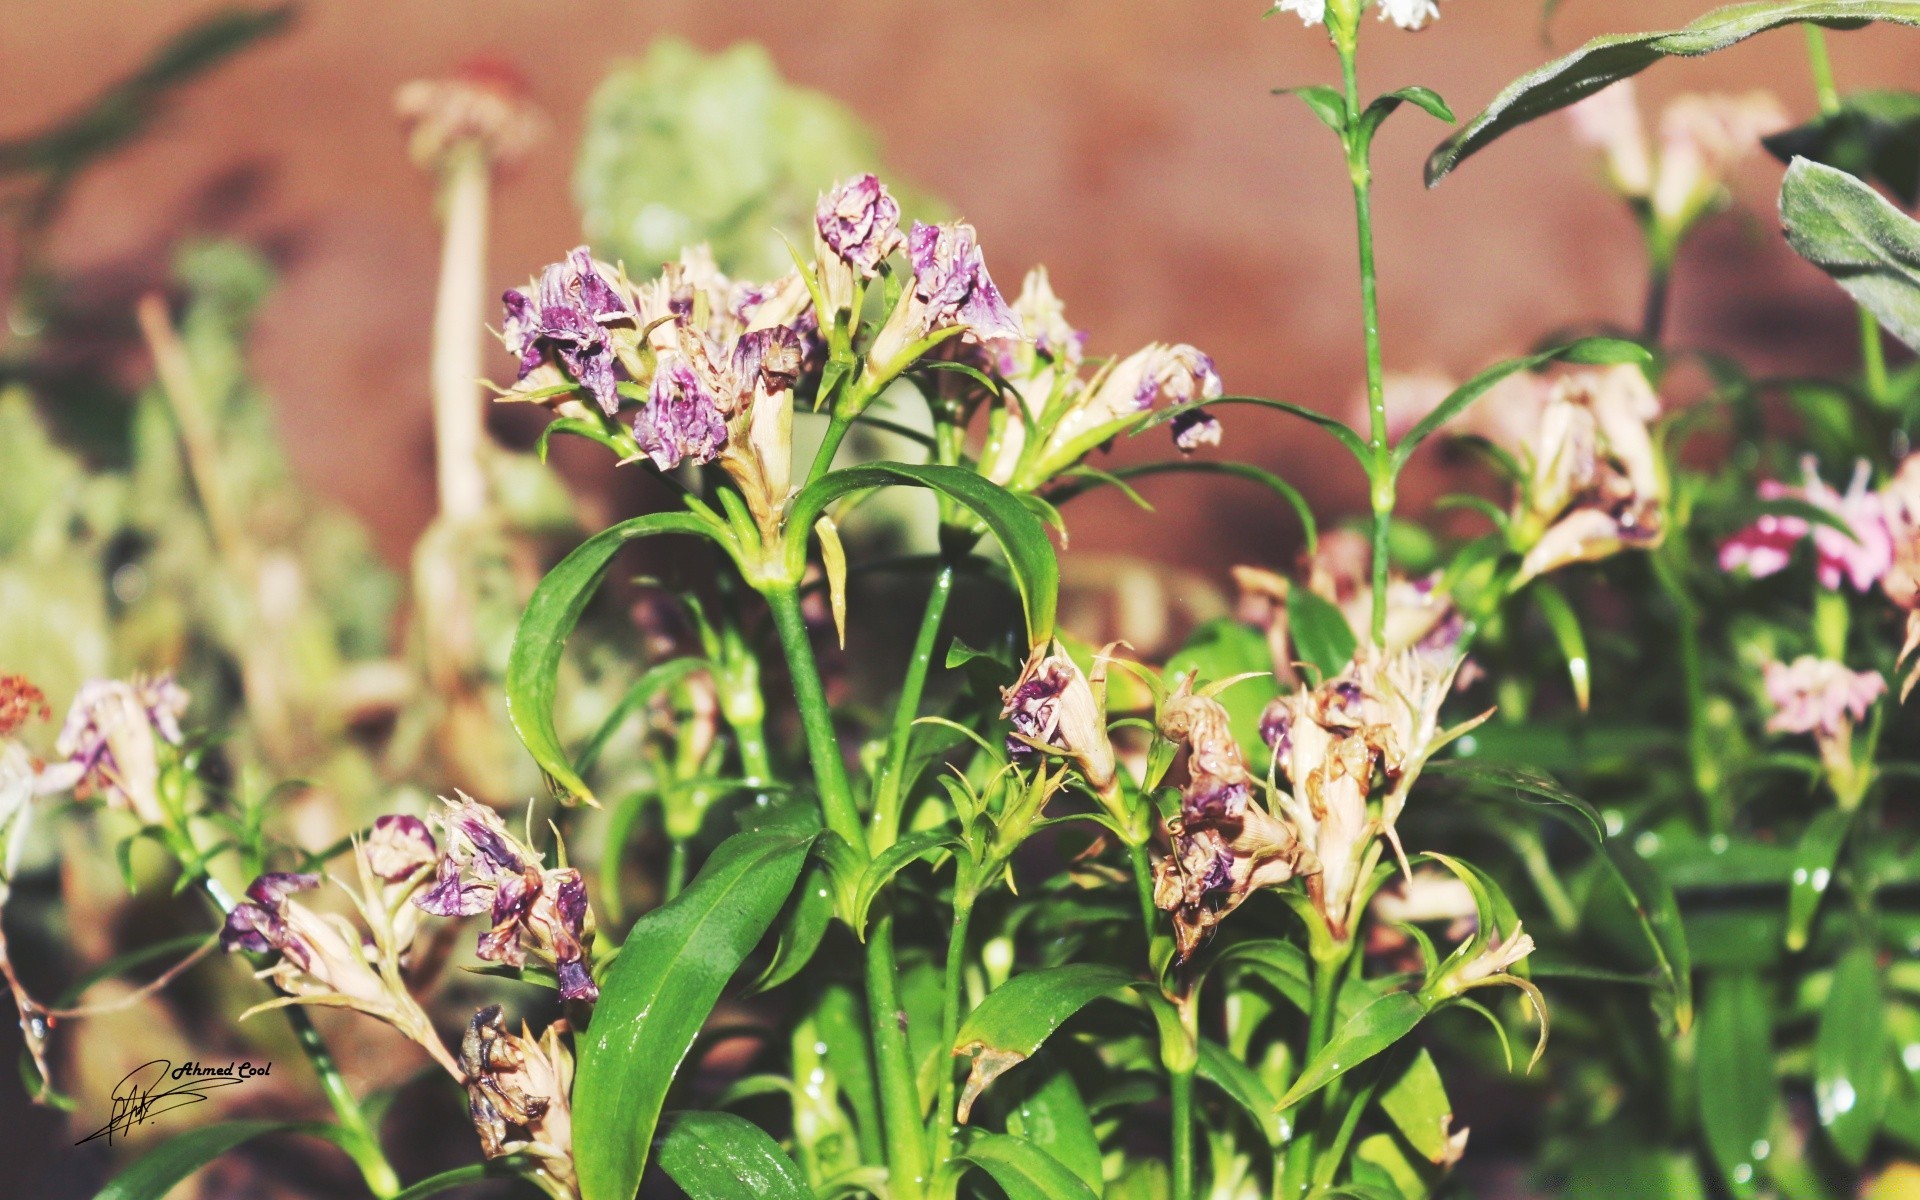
x=1861, y=554
x=319, y=955
x=1052, y=704
x=859, y=222
x=533, y=908
x=1609, y=120
x=20, y=702
x=682, y=419
x=566, y=320
x=1409, y=14
x=1195, y=428
x=1819, y=696
x=1178, y=374
x=1701, y=139
x=113, y=734
x=520, y=1094
x=484, y=104
x=1595, y=484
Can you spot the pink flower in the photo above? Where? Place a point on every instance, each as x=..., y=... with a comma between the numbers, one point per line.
x=1767, y=546
x=1819, y=696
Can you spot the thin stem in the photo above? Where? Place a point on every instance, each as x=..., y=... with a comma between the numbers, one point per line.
x=1328, y=1167
x=1700, y=756
x=1822, y=65
x=1183, y=1164
x=837, y=429
x=459, y=427
x=887, y=786
x=1380, y=470
x=1653, y=324
x=943, y=1113
x=676, y=868
x=1327, y=969
x=1143, y=888
x=816, y=719
x=907, y=1171
x=751, y=739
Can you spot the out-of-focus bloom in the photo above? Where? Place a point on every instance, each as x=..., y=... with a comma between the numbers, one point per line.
x=113, y=734
x=1428, y=895
x=1261, y=602
x=1310, y=11
x=1861, y=557
x=566, y=320
x=520, y=1095
x=1053, y=705
x=859, y=223
x=1409, y=14
x=485, y=104
x=1194, y=429
x=20, y=702
x=532, y=908
x=1701, y=139
x=1595, y=484
x=1819, y=696
x=1043, y=321
x=1226, y=845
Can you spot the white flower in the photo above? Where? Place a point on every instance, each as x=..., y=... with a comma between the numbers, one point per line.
x=1609, y=120
x=1409, y=14
x=1313, y=12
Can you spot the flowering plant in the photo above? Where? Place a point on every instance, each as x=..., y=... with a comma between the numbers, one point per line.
x=1057, y=917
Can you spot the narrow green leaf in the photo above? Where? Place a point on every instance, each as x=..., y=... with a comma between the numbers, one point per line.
x=1564, y=623
x=1854, y=234
x=1320, y=633
x=1017, y=1017
x=809, y=914
x=651, y=683
x=1283, y=964
x=1425, y=99
x=1416, y=1101
x=155, y=1173
x=718, y=1156
x=1334, y=426
x=1368, y=1032
x=533, y=666
x=1737, y=1087
x=433, y=1185
x=891, y=862
x=1120, y=476
x=1023, y=1170
x=1606, y=60
x=671, y=970
x=1813, y=863
x=1241, y=1085
x=1850, y=1056
x=593, y=431
x=1036, y=570
x=1053, y=1116
x=1326, y=103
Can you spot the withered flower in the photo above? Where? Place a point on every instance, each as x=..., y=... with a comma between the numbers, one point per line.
x=113, y=734
x=1053, y=705
x=519, y=1094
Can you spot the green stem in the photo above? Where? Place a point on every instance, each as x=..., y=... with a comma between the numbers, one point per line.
x=837, y=429
x=1653, y=324
x=1705, y=770
x=1380, y=471
x=1328, y=1168
x=751, y=739
x=887, y=786
x=816, y=719
x=1143, y=888
x=1183, y=1165
x=943, y=1113
x=1822, y=65
x=676, y=868
x=1305, y=1157
x=907, y=1171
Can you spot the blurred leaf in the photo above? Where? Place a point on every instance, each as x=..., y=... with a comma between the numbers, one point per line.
x=671, y=969
x=1850, y=1056
x=1607, y=60
x=433, y=1185
x=1813, y=864
x=1851, y=232
x=718, y=1156
x=155, y=1173
x=1873, y=135
x=1319, y=631
x=1023, y=1170
x=533, y=669
x=1052, y=1115
x=1572, y=640
x=1737, y=1088
x=684, y=147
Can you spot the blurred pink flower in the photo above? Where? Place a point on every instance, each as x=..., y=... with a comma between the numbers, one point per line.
x=1819, y=696
x=1766, y=546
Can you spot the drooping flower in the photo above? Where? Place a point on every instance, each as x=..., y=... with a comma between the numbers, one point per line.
x=1120, y=392
x=567, y=319
x=1860, y=555
x=1226, y=845
x=682, y=419
x=859, y=222
x=950, y=289
x=113, y=734
x=1052, y=704
x=1195, y=428
x=1594, y=483
x=520, y=1095
x=532, y=908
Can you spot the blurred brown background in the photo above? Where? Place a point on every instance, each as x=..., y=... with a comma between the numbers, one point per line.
x=1133, y=147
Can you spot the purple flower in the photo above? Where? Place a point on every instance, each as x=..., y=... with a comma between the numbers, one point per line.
x=1195, y=428
x=564, y=315
x=682, y=418
x=112, y=735
x=1053, y=704
x=258, y=924
x=860, y=223
x=399, y=848
x=950, y=278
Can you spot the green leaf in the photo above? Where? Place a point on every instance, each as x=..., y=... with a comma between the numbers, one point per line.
x=1565, y=626
x=593, y=431
x=433, y=1185
x=1368, y=1032
x=671, y=970
x=808, y=916
x=1736, y=1087
x=1241, y=1085
x=1416, y=1101
x=1813, y=862
x=1053, y=1116
x=1283, y=964
x=1355, y=444
x=1119, y=476
x=1022, y=1013
x=655, y=680
x=1593, y=351
x=1320, y=633
x=1023, y=1170
x=891, y=862
x=718, y=1156
x=1850, y=1056
x=1425, y=99
x=1874, y=135
x=533, y=666
x=1606, y=60
x=1854, y=234
x=1036, y=571
x=1326, y=103
x=156, y=1172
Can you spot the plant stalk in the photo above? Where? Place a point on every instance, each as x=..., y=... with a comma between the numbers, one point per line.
x=1380, y=471
x=1183, y=1164
x=887, y=786
x=908, y=1176
x=943, y=1112
x=816, y=719
x=1873, y=353
x=459, y=321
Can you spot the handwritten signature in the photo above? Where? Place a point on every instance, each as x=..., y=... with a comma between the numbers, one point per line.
x=140, y=1098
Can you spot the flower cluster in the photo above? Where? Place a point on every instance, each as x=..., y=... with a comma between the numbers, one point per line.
x=533, y=908
x=1407, y=14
